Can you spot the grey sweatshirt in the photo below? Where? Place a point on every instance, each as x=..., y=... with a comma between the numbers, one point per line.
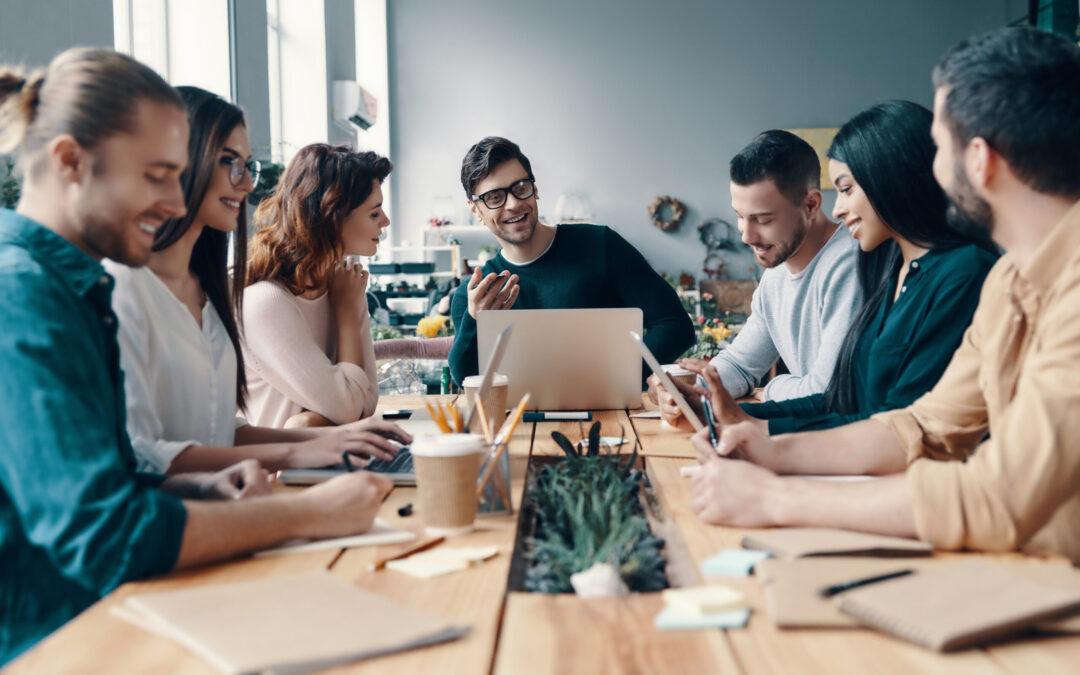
x=801, y=318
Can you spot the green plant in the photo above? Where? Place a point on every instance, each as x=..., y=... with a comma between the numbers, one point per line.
x=268, y=180
x=380, y=332
x=10, y=186
x=588, y=510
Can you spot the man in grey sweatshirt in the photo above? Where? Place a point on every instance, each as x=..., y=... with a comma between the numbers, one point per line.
x=809, y=292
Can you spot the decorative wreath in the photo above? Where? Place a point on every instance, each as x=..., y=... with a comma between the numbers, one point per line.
x=713, y=265
x=676, y=209
x=717, y=233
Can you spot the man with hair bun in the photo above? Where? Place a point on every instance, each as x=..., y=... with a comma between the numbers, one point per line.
x=102, y=141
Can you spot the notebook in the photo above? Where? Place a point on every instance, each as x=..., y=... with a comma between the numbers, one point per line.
x=797, y=542
x=284, y=625
x=380, y=534
x=790, y=587
x=957, y=605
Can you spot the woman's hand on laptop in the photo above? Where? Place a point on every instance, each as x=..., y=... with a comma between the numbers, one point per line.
x=375, y=439
x=495, y=291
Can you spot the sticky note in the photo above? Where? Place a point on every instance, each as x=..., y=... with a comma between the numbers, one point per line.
x=700, y=600
x=677, y=618
x=442, y=560
x=733, y=562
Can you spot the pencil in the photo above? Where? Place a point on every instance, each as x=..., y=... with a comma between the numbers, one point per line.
x=483, y=420
x=511, y=422
x=438, y=417
x=416, y=547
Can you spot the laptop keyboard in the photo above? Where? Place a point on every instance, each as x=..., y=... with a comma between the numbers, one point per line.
x=401, y=463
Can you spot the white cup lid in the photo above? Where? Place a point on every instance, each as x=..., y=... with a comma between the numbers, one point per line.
x=497, y=380
x=447, y=445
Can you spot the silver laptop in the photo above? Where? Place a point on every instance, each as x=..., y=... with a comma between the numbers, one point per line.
x=568, y=359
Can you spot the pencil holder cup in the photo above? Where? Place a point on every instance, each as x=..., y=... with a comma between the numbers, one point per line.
x=495, y=498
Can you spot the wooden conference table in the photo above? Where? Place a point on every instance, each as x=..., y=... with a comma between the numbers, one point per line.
x=515, y=633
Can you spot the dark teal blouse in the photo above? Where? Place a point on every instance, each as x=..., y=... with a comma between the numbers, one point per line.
x=907, y=345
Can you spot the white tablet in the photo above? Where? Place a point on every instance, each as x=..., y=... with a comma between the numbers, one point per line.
x=647, y=354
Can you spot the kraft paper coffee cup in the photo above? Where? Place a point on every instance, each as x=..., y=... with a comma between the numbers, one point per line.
x=680, y=374
x=494, y=402
x=447, y=468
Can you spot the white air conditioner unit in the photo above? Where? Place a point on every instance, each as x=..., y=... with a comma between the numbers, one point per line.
x=353, y=106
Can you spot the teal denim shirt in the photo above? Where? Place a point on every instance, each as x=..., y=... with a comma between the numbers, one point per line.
x=76, y=520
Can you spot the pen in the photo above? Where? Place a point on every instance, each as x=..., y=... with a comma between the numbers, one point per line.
x=710, y=421
x=556, y=416
x=830, y=591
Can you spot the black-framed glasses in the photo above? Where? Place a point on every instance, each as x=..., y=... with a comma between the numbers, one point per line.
x=493, y=199
x=237, y=168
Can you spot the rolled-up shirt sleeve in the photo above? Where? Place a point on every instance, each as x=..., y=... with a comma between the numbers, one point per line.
x=1012, y=484
x=144, y=423
x=62, y=467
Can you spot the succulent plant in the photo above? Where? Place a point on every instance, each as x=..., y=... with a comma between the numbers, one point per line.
x=588, y=509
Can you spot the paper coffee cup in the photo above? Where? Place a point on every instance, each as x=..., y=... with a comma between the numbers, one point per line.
x=680, y=374
x=494, y=402
x=447, y=468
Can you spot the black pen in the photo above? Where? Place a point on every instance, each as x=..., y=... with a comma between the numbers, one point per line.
x=830, y=591
x=710, y=421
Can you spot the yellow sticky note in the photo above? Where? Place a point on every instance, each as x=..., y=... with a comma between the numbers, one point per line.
x=705, y=599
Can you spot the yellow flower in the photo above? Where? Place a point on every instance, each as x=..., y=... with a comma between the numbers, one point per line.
x=430, y=326
x=718, y=333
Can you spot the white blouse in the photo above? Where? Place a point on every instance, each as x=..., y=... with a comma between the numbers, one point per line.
x=179, y=380
x=290, y=356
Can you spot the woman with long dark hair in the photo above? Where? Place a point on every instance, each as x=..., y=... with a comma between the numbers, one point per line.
x=308, y=345
x=921, y=278
x=179, y=336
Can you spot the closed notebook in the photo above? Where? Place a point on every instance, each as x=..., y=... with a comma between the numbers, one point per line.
x=798, y=542
x=286, y=624
x=957, y=605
x=790, y=587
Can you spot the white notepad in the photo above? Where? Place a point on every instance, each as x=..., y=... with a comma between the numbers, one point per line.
x=379, y=534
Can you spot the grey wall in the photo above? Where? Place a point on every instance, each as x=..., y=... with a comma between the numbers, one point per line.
x=34, y=31
x=627, y=99
x=253, y=79
x=340, y=59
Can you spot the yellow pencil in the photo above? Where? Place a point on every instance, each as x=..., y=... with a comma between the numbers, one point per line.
x=455, y=416
x=438, y=418
x=483, y=420
x=511, y=422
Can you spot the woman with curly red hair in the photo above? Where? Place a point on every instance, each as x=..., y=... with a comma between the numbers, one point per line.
x=308, y=345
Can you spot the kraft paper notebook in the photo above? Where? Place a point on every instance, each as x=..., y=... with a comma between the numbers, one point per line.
x=798, y=542
x=284, y=625
x=957, y=605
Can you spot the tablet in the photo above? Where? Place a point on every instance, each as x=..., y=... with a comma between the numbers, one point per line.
x=647, y=354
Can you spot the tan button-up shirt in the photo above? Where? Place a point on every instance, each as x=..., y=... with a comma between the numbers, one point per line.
x=1016, y=375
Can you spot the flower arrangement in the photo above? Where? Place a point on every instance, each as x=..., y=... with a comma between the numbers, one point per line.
x=435, y=325
x=439, y=222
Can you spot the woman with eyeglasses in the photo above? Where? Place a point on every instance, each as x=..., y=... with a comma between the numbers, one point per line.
x=308, y=344
x=184, y=377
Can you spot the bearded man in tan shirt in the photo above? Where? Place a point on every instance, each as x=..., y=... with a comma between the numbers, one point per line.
x=990, y=458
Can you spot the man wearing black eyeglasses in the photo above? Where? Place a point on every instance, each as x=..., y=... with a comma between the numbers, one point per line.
x=546, y=267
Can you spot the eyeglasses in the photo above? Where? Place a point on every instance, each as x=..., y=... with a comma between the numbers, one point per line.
x=236, y=170
x=493, y=199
